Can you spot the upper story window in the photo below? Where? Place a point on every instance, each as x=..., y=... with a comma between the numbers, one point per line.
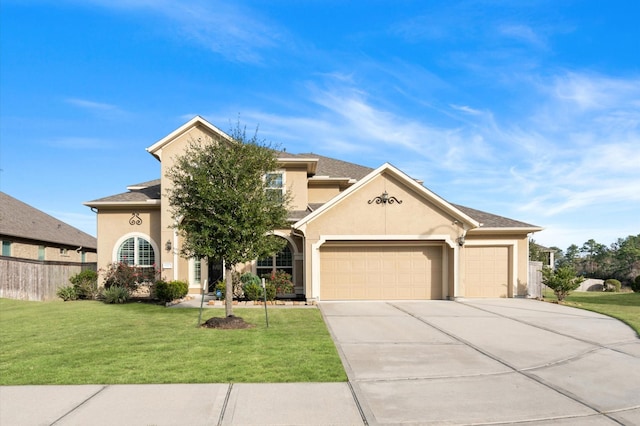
x=6, y=248
x=275, y=185
x=136, y=251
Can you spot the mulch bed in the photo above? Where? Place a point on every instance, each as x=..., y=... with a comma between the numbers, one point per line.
x=227, y=323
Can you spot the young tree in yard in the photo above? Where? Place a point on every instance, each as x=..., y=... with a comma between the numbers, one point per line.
x=562, y=281
x=220, y=203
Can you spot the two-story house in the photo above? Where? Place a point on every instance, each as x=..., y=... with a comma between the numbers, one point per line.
x=355, y=233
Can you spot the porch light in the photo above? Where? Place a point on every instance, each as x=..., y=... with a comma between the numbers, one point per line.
x=461, y=240
x=167, y=245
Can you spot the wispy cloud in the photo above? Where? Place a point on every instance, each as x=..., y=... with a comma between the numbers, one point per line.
x=232, y=30
x=523, y=33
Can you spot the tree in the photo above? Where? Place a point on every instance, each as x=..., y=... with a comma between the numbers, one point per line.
x=595, y=255
x=626, y=257
x=562, y=281
x=220, y=202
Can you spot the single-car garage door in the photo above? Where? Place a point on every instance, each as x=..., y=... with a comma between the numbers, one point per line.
x=486, y=271
x=384, y=272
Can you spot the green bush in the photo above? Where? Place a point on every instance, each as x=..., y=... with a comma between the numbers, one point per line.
x=166, y=291
x=251, y=286
x=612, y=285
x=67, y=293
x=635, y=284
x=115, y=294
x=271, y=290
x=86, y=284
x=562, y=280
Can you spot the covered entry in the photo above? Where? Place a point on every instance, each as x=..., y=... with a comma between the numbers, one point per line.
x=386, y=271
x=487, y=271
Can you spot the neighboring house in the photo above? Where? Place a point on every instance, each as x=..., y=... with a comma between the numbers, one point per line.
x=356, y=233
x=29, y=233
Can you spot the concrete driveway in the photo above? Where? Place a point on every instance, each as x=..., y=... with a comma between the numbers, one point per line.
x=497, y=361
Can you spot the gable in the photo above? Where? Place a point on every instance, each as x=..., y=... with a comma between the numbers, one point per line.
x=414, y=210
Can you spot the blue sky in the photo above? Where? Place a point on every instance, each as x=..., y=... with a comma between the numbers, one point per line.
x=527, y=109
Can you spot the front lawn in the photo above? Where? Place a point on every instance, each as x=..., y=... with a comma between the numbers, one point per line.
x=623, y=306
x=93, y=343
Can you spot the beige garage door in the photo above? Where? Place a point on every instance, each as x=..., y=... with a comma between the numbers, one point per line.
x=351, y=272
x=486, y=272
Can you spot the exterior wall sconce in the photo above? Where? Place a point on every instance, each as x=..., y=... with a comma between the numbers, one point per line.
x=460, y=240
x=167, y=245
x=384, y=199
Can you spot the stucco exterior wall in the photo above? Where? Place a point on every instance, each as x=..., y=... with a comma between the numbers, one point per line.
x=322, y=192
x=296, y=184
x=114, y=225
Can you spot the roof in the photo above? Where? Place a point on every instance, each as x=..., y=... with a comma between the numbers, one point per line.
x=141, y=193
x=490, y=220
x=20, y=220
x=332, y=167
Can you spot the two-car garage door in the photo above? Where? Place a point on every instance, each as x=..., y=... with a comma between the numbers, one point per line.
x=383, y=272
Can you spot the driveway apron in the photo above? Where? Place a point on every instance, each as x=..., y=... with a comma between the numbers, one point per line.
x=498, y=361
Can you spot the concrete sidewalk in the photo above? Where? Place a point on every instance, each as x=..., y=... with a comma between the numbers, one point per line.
x=183, y=404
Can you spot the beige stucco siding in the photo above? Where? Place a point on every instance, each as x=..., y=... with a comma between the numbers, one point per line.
x=322, y=192
x=114, y=225
x=295, y=180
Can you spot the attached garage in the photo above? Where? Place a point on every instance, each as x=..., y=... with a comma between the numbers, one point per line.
x=486, y=271
x=388, y=271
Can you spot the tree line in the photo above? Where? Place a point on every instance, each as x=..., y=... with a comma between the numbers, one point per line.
x=620, y=260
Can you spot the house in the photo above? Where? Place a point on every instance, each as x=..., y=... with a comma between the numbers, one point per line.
x=29, y=233
x=355, y=233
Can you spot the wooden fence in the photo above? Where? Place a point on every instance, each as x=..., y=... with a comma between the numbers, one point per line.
x=535, y=279
x=38, y=280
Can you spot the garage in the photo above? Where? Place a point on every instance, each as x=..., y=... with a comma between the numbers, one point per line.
x=486, y=271
x=380, y=272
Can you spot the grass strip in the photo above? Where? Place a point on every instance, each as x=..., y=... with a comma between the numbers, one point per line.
x=87, y=342
x=623, y=306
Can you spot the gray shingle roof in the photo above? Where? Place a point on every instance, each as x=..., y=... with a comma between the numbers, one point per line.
x=149, y=191
x=332, y=167
x=20, y=220
x=489, y=220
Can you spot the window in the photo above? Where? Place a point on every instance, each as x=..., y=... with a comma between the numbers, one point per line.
x=41, y=251
x=275, y=185
x=195, y=271
x=6, y=248
x=282, y=261
x=64, y=252
x=136, y=251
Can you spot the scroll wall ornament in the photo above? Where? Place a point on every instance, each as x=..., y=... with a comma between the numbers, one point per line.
x=135, y=219
x=384, y=199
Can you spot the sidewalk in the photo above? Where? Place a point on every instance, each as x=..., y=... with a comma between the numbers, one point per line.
x=181, y=404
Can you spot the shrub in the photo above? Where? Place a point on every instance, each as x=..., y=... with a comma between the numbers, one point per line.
x=271, y=290
x=635, y=284
x=282, y=282
x=251, y=286
x=221, y=286
x=562, y=280
x=166, y=291
x=115, y=294
x=612, y=285
x=86, y=284
x=67, y=293
x=128, y=277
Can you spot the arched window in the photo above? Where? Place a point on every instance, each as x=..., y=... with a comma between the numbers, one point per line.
x=136, y=251
x=282, y=261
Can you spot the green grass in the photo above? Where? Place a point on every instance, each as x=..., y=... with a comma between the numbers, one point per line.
x=94, y=343
x=623, y=306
